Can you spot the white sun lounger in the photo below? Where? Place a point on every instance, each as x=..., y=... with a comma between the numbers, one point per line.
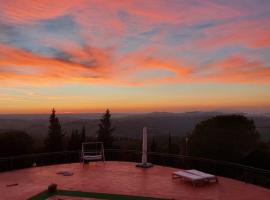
x=194, y=179
x=208, y=177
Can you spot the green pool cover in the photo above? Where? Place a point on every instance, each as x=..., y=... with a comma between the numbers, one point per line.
x=44, y=195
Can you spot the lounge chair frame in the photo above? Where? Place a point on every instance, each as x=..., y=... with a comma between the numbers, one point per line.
x=209, y=177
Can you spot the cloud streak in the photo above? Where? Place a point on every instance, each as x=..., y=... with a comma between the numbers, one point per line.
x=101, y=42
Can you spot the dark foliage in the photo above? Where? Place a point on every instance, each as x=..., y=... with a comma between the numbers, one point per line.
x=55, y=139
x=83, y=135
x=76, y=139
x=14, y=143
x=260, y=157
x=226, y=137
x=105, y=131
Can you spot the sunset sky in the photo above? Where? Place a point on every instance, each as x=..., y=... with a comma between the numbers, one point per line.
x=134, y=56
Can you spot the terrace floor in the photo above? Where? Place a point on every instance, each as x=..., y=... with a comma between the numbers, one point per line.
x=122, y=178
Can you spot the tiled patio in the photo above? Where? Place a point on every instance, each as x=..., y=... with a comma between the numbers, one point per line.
x=122, y=178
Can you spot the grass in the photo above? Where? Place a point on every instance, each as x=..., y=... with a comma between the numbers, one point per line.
x=44, y=195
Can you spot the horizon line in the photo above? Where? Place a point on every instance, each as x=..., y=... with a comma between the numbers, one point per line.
x=144, y=112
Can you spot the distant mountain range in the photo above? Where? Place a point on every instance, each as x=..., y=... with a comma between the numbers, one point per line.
x=127, y=124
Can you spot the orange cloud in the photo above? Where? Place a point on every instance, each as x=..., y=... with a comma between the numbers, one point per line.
x=41, y=69
x=102, y=24
x=22, y=67
x=237, y=69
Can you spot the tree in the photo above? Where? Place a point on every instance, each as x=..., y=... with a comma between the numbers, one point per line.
x=54, y=141
x=75, y=142
x=71, y=139
x=260, y=157
x=83, y=135
x=225, y=137
x=105, y=131
x=14, y=143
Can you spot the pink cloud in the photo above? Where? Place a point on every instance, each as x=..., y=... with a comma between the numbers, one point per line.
x=103, y=23
x=102, y=14
x=251, y=33
x=24, y=11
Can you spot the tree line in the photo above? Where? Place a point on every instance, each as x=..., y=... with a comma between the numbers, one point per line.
x=55, y=140
x=18, y=142
x=231, y=138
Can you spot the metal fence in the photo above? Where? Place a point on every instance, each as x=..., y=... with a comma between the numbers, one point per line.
x=227, y=169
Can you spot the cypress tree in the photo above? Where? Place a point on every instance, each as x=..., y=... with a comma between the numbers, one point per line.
x=105, y=131
x=55, y=137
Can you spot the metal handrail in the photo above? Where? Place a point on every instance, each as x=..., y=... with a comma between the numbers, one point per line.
x=223, y=168
x=150, y=153
x=37, y=154
x=213, y=161
x=196, y=158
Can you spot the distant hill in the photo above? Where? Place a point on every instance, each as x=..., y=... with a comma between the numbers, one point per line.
x=65, y=117
x=127, y=125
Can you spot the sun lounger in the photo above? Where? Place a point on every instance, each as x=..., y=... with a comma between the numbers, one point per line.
x=194, y=179
x=208, y=177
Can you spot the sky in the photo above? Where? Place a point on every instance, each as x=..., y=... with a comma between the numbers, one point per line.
x=134, y=56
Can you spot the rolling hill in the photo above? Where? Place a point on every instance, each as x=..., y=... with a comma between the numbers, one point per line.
x=127, y=125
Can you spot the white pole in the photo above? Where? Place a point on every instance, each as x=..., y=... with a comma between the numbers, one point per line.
x=144, y=163
x=144, y=146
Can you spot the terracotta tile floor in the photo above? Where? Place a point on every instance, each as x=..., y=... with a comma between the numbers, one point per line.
x=122, y=178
